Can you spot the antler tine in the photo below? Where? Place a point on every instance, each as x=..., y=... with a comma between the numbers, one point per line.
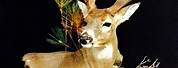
x=118, y=5
x=90, y=4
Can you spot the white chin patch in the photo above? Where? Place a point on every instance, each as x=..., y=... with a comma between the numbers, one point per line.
x=87, y=45
x=106, y=53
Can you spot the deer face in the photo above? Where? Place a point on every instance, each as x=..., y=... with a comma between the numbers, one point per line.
x=99, y=28
x=100, y=24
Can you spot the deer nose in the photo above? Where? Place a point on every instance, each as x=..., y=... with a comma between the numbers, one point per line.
x=85, y=40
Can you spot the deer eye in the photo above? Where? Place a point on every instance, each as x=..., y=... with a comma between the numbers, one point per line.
x=107, y=24
x=106, y=27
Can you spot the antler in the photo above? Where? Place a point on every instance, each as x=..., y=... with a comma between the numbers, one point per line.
x=113, y=9
x=118, y=5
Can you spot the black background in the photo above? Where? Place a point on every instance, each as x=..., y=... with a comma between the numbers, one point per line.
x=151, y=31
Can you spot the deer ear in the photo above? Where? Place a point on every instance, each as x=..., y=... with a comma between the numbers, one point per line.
x=83, y=8
x=125, y=13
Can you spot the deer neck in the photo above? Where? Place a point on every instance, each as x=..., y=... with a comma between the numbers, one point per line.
x=97, y=53
x=97, y=56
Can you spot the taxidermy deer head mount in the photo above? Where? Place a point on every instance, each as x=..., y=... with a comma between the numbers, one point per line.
x=98, y=39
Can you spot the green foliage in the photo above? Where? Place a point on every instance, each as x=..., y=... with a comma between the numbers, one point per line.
x=69, y=11
x=62, y=3
x=68, y=6
x=58, y=37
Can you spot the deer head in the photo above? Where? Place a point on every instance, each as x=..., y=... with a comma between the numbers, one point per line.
x=100, y=24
